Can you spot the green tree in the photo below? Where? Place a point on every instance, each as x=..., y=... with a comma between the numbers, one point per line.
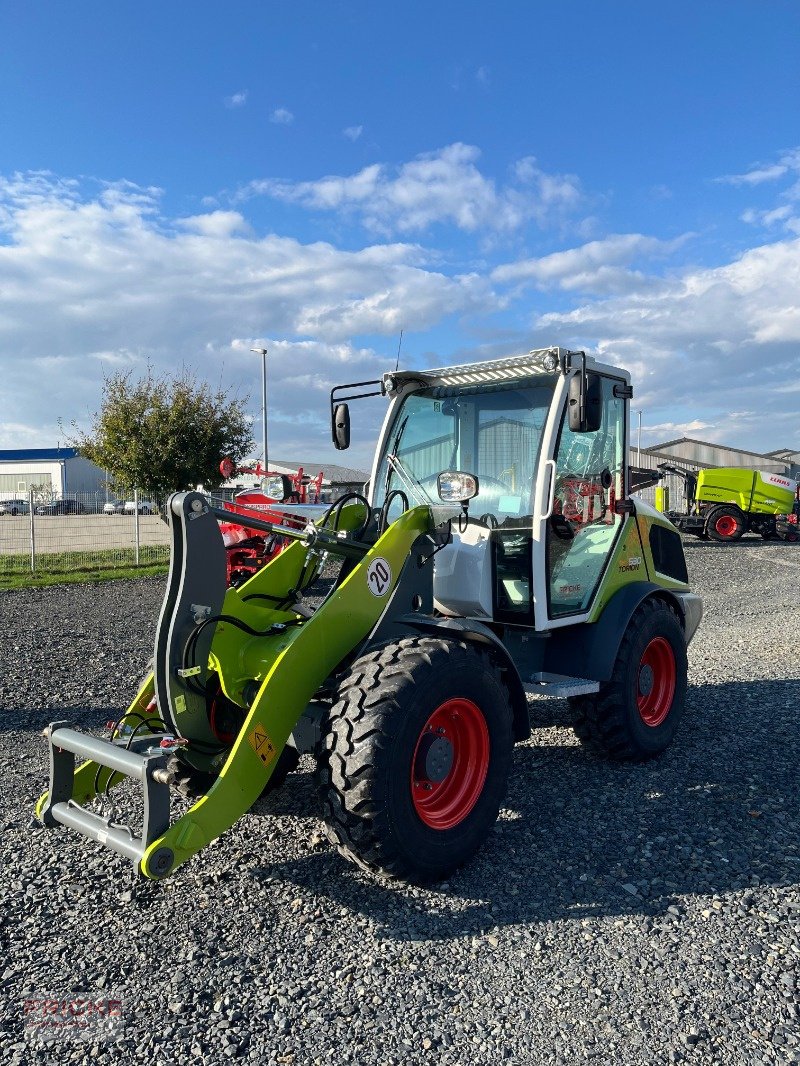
x=163, y=433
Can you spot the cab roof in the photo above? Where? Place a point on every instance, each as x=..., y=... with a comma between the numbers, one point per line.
x=511, y=368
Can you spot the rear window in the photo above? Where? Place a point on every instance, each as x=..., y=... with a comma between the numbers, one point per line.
x=667, y=549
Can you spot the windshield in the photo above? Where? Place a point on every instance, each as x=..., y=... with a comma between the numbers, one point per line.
x=493, y=431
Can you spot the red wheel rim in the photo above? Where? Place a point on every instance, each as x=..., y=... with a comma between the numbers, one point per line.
x=656, y=681
x=726, y=525
x=451, y=759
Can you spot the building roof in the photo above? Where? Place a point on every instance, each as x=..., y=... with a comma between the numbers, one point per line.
x=28, y=455
x=790, y=454
x=333, y=473
x=707, y=444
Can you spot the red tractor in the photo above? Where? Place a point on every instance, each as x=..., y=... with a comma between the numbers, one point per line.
x=246, y=551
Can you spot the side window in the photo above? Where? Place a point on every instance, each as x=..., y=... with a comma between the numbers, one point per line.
x=590, y=468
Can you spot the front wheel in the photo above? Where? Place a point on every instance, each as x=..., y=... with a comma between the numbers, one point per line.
x=415, y=761
x=635, y=715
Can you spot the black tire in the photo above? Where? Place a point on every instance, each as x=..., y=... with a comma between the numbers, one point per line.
x=612, y=720
x=725, y=525
x=372, y=744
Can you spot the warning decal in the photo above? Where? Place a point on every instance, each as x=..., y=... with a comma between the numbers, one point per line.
x=262, y=745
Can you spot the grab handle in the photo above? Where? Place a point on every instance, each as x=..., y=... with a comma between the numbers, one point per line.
x=550, y=464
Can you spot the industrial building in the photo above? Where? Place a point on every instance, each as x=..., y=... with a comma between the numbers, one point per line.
x=53, y=473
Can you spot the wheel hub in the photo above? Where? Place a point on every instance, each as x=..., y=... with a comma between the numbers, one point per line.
x=726, y=525
x=646, y=679
x=656, y=682
x=434, y=758
x=450, y=763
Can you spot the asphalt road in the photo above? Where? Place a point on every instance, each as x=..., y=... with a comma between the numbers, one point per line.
x=618, y=913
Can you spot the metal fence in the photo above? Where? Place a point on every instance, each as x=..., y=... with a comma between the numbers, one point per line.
x=83, y=532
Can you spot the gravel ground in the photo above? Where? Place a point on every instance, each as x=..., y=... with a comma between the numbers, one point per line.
x=626, y=914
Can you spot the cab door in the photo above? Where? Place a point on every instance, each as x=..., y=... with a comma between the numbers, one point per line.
x=577, y=521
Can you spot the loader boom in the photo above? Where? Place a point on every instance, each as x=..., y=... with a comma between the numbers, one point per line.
x=283, y=657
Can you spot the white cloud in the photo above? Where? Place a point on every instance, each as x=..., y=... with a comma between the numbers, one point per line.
x=672, y=430
x=281, y=117
x=766, y=172
x=786, y=214
x=100, y=279
x=444, y=186
x=237, y=99
x=483, y=75
x=757, y=176
x=352, y=133
x=92, y=282
x=216, y=224
x=598, y=266
x=714, y=340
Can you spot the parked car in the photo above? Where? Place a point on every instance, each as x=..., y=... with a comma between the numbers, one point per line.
x=61, y=507
x=14, y=507
x=113, y=507
x=145, y=507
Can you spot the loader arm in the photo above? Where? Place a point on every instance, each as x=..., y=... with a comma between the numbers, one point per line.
x=269, y=660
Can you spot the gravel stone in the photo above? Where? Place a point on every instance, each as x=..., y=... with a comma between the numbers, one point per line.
x=619, y=913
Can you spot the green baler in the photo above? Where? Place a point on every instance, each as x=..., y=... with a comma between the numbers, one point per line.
x=724, y=503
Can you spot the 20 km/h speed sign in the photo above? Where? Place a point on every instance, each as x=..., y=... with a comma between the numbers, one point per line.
x=379, y=576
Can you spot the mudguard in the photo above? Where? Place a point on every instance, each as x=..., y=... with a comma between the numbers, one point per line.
x=590, y=651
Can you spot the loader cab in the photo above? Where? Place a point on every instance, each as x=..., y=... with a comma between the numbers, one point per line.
x=544, y=522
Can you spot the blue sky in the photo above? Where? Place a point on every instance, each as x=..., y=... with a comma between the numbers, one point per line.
x=179, y=184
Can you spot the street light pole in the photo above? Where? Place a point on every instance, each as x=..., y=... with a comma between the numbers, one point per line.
x=263, y=353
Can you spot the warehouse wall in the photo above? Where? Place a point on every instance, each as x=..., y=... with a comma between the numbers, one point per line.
x=16, y=478
x=81, y=475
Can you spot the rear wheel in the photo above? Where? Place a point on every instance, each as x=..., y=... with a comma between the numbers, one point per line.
x=415, y=761
x=725, y=524
x=636, y=714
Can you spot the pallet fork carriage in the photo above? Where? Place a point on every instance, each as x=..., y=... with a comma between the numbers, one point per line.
x=499, y=554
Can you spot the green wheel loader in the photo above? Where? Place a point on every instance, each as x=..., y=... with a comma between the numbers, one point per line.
x=499, y=554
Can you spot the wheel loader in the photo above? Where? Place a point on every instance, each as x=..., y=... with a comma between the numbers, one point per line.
x=472, y=576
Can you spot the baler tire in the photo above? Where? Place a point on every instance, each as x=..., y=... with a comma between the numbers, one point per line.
x=614, y=721
x=384, y=806
x=726, y=518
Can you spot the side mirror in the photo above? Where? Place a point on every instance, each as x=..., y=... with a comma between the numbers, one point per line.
x=585, y=403
x=278, y=487
x=456, y=486
x=340, y=426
